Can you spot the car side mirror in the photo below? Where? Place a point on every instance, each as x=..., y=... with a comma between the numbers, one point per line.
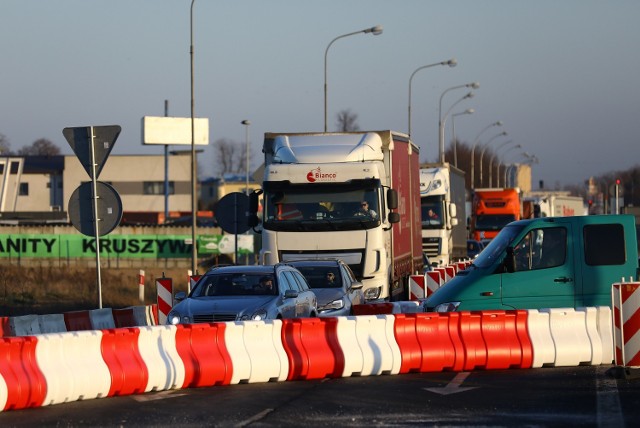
x=291, y=294
x=356, y=285
x=180, y=296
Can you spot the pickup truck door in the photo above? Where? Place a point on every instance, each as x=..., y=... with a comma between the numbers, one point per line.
x=545, y=270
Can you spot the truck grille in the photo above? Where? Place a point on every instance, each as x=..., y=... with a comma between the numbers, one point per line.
x=206, y=318
x=431, y=246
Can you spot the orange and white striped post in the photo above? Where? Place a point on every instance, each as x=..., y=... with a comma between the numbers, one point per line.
x=165, y=298
x=141, y=286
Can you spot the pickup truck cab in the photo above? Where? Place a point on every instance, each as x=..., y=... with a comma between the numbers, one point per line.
x=545, y=263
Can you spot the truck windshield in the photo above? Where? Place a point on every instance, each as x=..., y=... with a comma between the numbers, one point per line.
x=493, y=221
x=497, y=246
x=315, y=207
x=432, y=213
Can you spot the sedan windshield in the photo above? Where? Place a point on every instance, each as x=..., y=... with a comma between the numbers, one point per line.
x=235, y=284
x=321, y=276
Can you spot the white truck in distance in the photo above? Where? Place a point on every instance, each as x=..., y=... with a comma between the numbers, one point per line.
x=316, y=186
x=552, y=204
x=442, y=201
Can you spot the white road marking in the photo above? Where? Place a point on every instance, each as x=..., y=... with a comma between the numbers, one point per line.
x=454, y=386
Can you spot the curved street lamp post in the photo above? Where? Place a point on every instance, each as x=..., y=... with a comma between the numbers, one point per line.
x=473, y=85
x=473, y=150
x=484, y=148
x=517, y=146
x=451, y=63
x=453, y=133
x=373, y=30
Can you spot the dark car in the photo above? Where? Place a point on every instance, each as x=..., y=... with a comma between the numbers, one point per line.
x=474, y=248
x=238, y=293
x=334, y=284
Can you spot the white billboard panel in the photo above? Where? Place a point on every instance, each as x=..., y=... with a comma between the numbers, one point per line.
x=174, y=130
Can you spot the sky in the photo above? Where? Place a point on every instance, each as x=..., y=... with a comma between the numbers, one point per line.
x=562, y=76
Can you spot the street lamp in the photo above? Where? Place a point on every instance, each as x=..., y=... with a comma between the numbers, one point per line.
x=453, y=133
x=506, y=169
x=473, y=85
x=473, y=150
x=483, y=150
x=373, y=30
x=246, y=123
x=194, y=207
x=446, y=115
x=517, y=146
x=451, y=63
x=493, y=156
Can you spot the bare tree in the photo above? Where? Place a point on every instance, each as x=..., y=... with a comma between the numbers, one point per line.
x=5, y=146
x=347, y=121
x=229, y=156
x=40, y=147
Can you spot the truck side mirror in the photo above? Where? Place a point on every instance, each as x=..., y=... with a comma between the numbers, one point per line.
x=254, y=202
x=392, y=199
x=453, y=211
x=393, y=217
x=510, y=260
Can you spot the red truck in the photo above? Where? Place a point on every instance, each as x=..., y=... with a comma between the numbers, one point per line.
x=492, y=209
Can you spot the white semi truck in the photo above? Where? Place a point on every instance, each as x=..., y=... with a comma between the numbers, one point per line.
x=552, y=204
x=315, y=188
x=442, y=200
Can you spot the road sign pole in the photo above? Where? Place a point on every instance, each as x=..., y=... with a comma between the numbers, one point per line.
x=94, y=194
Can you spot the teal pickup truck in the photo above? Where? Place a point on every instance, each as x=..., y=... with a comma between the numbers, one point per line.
x=552, y=262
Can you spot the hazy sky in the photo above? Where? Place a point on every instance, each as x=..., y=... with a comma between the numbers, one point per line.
x=563, y=76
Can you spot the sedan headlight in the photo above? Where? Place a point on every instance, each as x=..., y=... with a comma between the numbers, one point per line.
x=336, y=304
x=174, y=318
x=259, y=315
x=447, y=307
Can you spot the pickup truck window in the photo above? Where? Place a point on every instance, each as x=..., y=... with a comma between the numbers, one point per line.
x=604, y=244
x=541, y=249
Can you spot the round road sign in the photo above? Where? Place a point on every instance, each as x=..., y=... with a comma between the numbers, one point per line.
x=81, y=208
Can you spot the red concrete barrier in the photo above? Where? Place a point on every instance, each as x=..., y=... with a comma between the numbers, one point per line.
x=77, y=320
x=25, y=383
x=500, y=333
x=204, y=354
x=439, y=341
x=124, y=318
x=5, y=327
x=129, y=374
x=475, y=350
x=407, y=339
x=310, y=353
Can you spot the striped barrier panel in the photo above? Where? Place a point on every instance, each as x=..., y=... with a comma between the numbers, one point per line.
x=417, y=287
x=434, y=281
x=626, y=303
x=164, y=287
x=61, y=367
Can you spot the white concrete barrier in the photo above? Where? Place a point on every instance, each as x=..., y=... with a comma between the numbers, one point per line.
x=591, y=325
x=381, y=354
x=234, y=341
x=544, y=351
x=605, y=329
x=263, y=343
x=157, y=347
x=348, y=341
x=569, y=333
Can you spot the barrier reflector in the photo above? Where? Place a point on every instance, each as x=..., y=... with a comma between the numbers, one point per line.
x=311, y=355
x=101, y=319
x=434, y=281
x=24, y=325
x=24, y=384
x=570, y=339
x=158, y=350
x=204, y=354
x=417, y=284
x=164, y=288
x=626, y=304
x=373, y=309
x=73, y=366
x=52, y=323
x=77, y=320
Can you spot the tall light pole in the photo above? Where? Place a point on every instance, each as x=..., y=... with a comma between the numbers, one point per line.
x=483, y=150
x=473, y=85
x=373, y=30
x=473, y=150
x=506, y=169
x=453, y=133
x=194, y=175
x=451, y=63
x=246, y=124
x=517, y=146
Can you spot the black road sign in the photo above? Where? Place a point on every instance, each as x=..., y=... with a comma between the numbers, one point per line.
x=232, y=213
x=104, y=137
x=81, y=209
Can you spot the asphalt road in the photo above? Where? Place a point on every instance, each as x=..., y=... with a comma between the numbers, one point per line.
x=569, y=396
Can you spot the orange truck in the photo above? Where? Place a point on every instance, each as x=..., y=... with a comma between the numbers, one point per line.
x=492, y=209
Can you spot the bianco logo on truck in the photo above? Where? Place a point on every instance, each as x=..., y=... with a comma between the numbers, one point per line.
x=317, y=175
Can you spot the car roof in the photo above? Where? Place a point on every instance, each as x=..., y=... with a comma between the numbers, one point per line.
x=256, y=269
